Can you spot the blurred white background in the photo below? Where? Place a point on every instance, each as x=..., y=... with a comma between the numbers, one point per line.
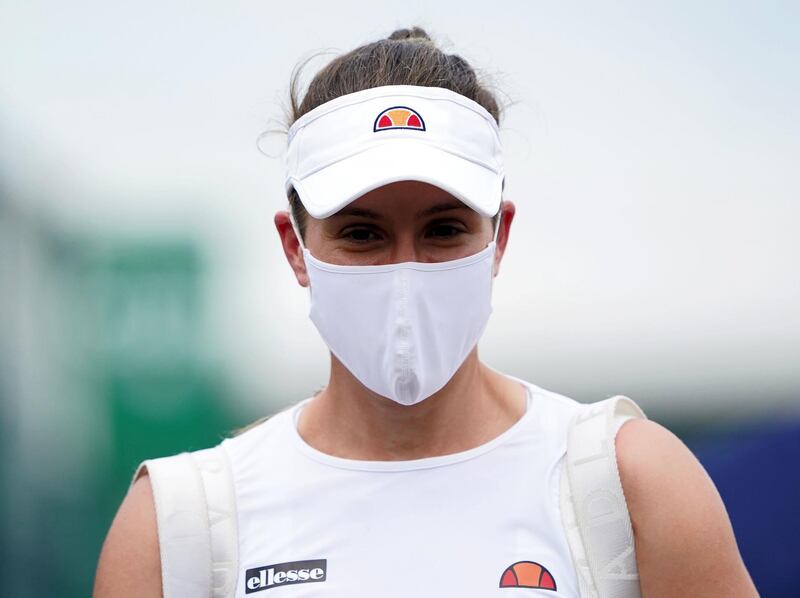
x=651, y=150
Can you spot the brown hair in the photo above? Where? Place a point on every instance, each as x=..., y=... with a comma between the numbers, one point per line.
x=406, y=57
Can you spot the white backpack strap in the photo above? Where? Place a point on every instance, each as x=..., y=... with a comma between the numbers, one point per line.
x=215, y=470
x=593, y=507
x=183, y=535
x=197, y=528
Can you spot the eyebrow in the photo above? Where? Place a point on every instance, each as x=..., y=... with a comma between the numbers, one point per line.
x=435, y=209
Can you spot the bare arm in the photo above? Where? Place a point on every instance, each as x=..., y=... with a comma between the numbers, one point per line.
x=685, y=545
x=129, y=564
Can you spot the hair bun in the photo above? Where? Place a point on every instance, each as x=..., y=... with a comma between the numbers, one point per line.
x=413, y=33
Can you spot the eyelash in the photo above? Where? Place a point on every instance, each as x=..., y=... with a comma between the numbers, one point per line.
x=347, y=235
x=455, y=231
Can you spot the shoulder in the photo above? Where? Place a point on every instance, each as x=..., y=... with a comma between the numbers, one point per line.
x=129, y=564
x=681, y=528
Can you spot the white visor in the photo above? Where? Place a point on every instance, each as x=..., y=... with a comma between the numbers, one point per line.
x=357, y=142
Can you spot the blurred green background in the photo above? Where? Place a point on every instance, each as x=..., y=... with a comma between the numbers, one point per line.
x=117, y=375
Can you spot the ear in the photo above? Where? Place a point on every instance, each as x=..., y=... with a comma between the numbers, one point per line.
x=507, y=211
x=291, y=247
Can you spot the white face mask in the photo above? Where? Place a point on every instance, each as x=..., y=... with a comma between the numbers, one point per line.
x=402, y=329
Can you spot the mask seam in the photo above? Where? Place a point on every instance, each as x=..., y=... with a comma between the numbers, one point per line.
x=404, y=328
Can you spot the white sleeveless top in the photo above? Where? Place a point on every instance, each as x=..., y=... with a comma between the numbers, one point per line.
x=470, y=524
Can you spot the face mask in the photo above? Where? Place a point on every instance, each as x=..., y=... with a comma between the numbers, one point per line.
x=402, y=329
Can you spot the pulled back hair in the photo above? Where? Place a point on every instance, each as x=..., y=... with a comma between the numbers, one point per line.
x=406, y=57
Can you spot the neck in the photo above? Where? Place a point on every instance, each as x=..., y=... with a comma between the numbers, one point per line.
x=348, y=420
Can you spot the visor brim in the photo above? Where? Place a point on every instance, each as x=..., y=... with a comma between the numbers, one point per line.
x=329, y=189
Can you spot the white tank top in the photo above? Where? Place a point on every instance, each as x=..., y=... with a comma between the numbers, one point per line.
x=471, y=524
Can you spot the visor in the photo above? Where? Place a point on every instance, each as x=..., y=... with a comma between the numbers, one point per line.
x=357, y=142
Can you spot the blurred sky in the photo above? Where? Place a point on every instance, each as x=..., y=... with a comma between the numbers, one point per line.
x=651, y=150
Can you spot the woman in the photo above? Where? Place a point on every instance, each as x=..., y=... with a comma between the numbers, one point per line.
x=419, y=470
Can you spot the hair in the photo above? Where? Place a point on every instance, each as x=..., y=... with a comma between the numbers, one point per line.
x=406, y=57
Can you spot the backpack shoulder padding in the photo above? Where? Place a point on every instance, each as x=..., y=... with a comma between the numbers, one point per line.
x=197, y=523
x=593, y=508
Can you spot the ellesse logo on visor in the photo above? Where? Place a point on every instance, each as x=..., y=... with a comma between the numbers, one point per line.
x=285, y=574
x=399, y=117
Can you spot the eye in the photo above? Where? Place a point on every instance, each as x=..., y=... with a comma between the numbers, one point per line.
x=444, y=231
x=359, y=235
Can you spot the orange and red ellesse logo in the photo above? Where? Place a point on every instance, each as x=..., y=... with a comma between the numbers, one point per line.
x=399, y=117
x=527, y=574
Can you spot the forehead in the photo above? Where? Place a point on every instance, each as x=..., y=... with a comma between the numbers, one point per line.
x=404, y=199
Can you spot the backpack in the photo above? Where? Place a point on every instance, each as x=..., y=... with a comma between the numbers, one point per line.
x=197, y=525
